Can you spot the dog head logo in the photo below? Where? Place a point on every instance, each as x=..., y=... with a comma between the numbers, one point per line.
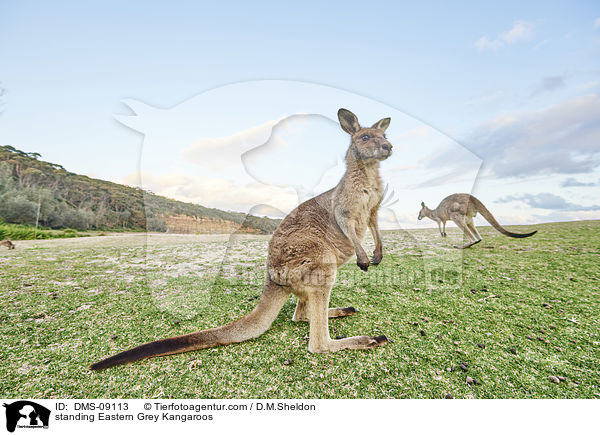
x=26, y=414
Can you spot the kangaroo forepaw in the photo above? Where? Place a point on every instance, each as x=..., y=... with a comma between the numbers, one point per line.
x=363, y=265
x=376, y=259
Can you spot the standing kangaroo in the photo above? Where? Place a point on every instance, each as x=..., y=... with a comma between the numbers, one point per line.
x=461, y=208
x=8, y=244
x=305, y=252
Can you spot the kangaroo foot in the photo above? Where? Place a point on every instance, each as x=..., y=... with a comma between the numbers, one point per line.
x=467, y=245
x=360, y=342
x=300, y=315
x=381, y=340
x=364, y=342
x=341, y=312
x=377, y=341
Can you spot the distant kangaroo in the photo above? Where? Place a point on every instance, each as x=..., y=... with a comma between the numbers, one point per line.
x=8, y=244
x=461, y=208
x=305, y=251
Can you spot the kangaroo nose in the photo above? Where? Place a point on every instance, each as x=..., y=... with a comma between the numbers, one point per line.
x=386, y=147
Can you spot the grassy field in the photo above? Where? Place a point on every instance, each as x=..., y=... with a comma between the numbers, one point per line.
x=505, y=315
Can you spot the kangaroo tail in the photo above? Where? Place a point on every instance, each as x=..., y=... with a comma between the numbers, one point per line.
x=492, y=220
x=248, y=327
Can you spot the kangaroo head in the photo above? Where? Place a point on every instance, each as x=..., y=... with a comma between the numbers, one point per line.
x=368, y=144
x=422, y=212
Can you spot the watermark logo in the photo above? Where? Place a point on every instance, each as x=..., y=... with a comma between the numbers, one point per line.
x=261, y=148
x=25, y=414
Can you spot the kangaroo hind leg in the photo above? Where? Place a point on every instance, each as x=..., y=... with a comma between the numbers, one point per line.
x=473, y=230
x=317, y=299
x=461, y=223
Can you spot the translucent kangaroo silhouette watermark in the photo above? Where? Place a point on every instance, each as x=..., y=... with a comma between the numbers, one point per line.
x=263, y=147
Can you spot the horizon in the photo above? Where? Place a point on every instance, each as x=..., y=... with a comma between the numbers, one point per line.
x=480, y=223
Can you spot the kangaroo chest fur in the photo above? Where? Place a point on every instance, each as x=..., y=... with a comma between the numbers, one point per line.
x=359, y=195
x=313, y=227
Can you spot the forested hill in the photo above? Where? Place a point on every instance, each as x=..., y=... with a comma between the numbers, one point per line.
x=33, y=190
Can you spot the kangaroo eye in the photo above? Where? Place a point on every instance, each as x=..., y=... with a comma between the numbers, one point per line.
x=365, y=137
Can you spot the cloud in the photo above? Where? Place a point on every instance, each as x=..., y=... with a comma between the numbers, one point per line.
x=549, y=84
x=573, y=182
x=214, y=192
x=548, y=201
x=561, y=139
x=484, y=43
x=597, y=23
x=224, y=152
x=521, y=31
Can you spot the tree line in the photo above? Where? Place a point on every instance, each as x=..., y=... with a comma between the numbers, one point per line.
x=44, y=194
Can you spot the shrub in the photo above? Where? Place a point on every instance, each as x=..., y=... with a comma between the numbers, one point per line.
x=18, y=209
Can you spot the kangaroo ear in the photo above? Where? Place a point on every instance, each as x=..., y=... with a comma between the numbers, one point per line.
x=382, y=124
x=422, y=204
x=348, y=121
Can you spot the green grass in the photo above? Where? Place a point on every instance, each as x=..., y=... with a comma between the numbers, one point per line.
x=68, y=303
x=28, y=232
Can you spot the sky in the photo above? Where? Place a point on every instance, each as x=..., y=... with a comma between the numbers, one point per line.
x=232, y=105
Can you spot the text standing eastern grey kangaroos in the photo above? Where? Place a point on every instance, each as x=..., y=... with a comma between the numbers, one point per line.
x=305, y=252
x=461, y=208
